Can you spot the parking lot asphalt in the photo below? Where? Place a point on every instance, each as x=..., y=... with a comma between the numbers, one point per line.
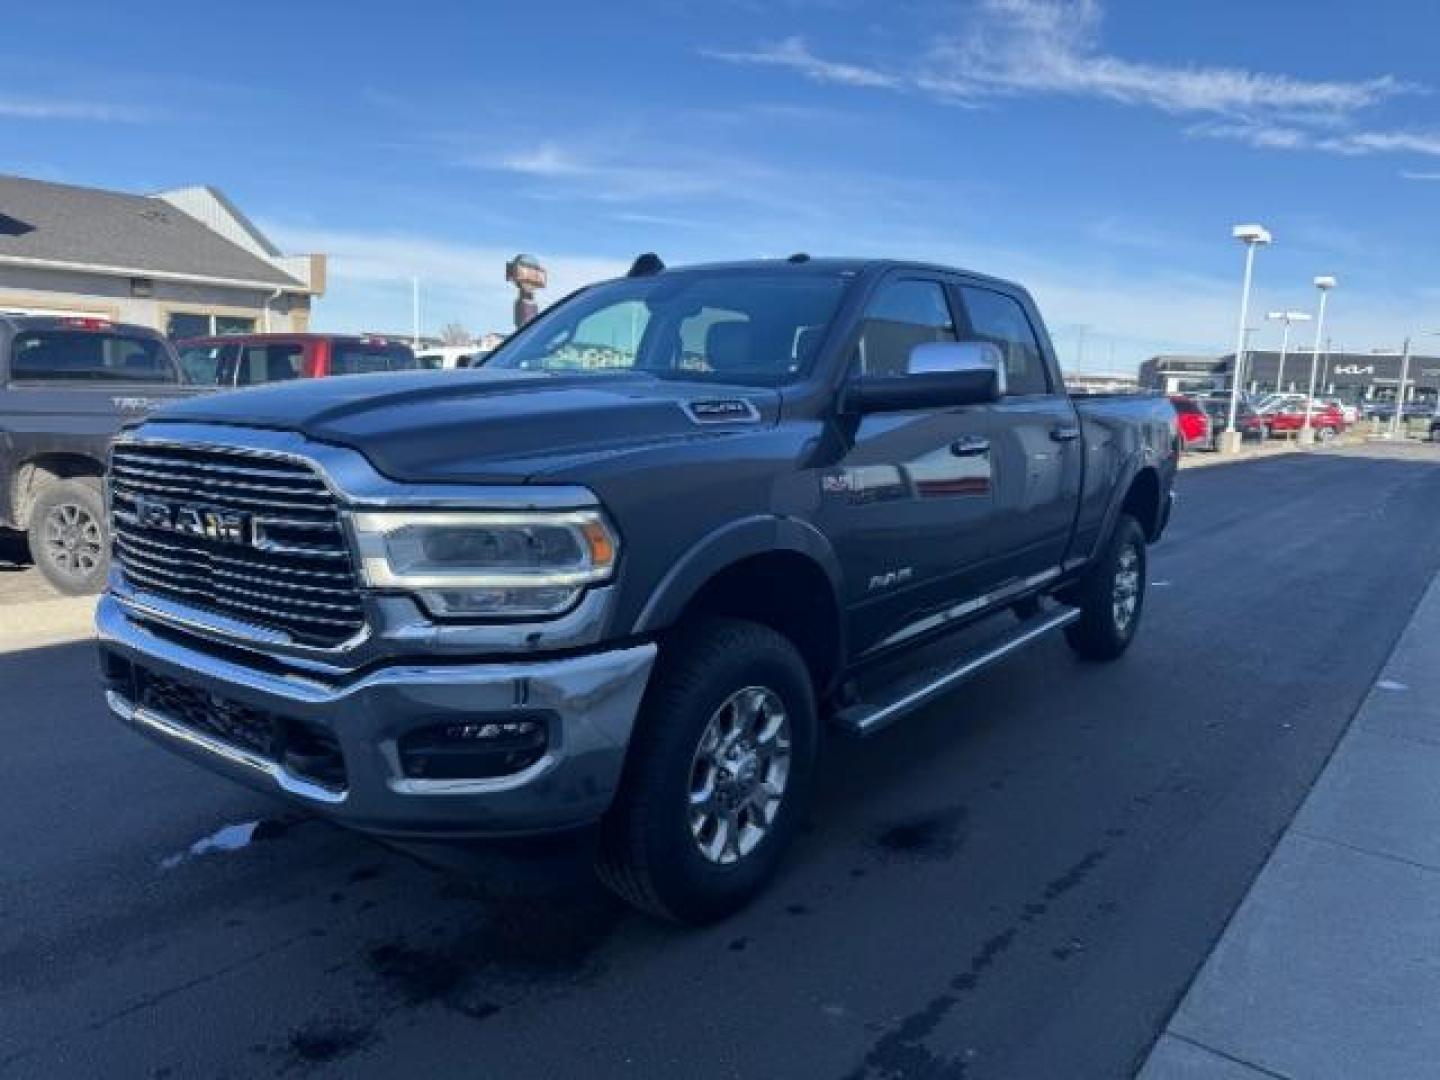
x=1019, y=882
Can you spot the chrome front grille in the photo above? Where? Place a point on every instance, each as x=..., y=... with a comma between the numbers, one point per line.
x=256, y=539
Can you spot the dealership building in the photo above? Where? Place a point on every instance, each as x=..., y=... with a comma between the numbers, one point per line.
x=1355, y=377
x=186, y=262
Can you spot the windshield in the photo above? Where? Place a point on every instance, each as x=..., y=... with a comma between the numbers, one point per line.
x=742, y=327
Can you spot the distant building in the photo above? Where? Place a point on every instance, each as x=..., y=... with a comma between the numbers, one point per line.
x=1355, y=377
x=1089, y=382
x=186, y=262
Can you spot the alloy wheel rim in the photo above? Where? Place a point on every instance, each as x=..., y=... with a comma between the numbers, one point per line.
x=73, y=539
x=1125, y=597
x=738, y=775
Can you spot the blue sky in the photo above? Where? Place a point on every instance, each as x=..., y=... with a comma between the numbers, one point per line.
x=1097, y=150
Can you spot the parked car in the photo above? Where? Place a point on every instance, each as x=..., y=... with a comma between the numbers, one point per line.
x=1348, y=409
x=1194, y=422
x=1217, y=407
x=251, y=359
x=67, y=385
x=446, y=357
x=627, y=583
x=1327, y=421
x=1385, y=410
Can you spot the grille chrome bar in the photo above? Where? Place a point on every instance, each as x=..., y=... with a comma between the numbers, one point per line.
x=292, y=572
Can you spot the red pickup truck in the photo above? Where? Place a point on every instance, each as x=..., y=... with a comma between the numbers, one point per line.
x=1327, y=420
x=251, y=359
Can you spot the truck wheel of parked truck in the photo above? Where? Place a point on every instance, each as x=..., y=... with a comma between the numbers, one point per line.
x=68, y=537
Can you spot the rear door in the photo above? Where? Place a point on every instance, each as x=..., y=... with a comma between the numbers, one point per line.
x=908, y=506
x=1035, y=436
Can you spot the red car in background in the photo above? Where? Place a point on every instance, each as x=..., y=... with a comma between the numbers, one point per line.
x=1327, y=420
x=252, y=359
x=1193, y=421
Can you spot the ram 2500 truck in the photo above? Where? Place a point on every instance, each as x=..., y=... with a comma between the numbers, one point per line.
x=631, y=570
x=67, y=385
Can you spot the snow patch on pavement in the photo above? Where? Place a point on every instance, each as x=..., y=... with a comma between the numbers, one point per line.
x=230, y=838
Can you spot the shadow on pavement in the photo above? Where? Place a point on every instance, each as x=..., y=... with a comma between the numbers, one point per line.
x=14, y=552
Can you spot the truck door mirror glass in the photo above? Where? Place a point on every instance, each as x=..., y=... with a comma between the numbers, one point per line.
x=942, y=374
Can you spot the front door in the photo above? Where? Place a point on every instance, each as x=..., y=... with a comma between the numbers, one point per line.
x=908, y=507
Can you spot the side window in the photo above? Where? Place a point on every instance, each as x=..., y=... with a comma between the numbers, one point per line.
x=269, y=363
x=902, y=315
x=201, y=364
x=1000, y=319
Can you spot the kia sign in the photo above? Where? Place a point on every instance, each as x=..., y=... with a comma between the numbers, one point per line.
x=527, y=275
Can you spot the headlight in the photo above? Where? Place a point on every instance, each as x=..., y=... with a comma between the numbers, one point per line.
x=480, y=563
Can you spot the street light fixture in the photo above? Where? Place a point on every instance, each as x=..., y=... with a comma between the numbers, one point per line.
x=1252, y=236
x=1324, y=283
x=1285, y=318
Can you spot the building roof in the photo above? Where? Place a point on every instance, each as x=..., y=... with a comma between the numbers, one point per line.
x=141, y=234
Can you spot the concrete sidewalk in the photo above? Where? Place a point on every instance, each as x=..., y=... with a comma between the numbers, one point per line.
x=1330, y=967
x=37, y=623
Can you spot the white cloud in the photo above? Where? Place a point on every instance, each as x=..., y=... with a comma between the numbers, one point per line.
x=1407, y=174
x=1360, y=143
x=93, y=111
x=794, y=54
x=1012, y=48
x=1053, y=46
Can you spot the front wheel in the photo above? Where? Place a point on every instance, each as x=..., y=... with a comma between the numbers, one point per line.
x=718, y=775
x=67, y=535
x=1111, y=596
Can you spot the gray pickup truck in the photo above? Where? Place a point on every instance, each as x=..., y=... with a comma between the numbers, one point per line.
x=67, y=385
x=630, y=571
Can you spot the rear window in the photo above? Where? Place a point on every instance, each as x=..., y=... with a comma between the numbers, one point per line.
x=351, y=358
x=88, y=356
x=1185, y=405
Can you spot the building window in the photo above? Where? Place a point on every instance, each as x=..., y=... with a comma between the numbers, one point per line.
x=189, y=324
x=233, y=324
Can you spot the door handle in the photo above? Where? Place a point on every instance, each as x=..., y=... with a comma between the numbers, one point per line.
x=970, y=446
x=1065, y=433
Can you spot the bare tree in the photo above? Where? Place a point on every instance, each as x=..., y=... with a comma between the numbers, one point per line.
x=455, y=334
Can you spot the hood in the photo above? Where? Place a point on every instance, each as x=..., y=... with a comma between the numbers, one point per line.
x=486, y=425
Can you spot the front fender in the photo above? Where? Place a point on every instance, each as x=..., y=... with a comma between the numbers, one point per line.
x=726, y=546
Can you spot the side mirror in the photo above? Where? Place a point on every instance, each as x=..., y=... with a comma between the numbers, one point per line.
x=943, y=374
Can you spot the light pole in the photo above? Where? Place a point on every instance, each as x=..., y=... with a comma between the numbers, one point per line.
x=1324, y=283
x=1252, y=236
x=1400, y=391
x=1285, y=318
x=415, y=313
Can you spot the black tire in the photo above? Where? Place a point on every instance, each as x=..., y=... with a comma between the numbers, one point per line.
x=69, y=540
x=1100, y=633
x=648, y=854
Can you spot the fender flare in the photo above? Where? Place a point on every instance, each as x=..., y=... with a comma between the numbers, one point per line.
x=727, y=545
x=1138, y=465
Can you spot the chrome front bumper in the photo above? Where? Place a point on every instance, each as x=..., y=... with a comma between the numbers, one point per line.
x=591, y=701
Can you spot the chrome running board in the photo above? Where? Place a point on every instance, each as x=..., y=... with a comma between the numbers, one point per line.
x=916, y=690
